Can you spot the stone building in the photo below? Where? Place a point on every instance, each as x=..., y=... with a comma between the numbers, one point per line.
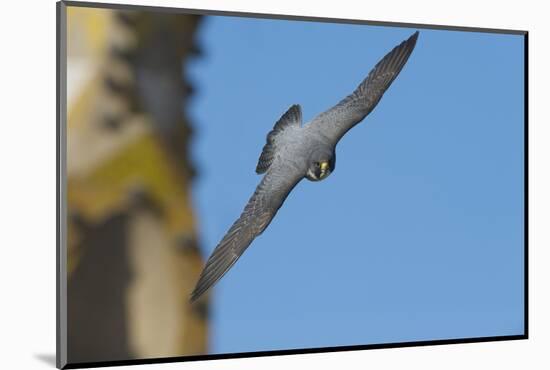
x=133, y=254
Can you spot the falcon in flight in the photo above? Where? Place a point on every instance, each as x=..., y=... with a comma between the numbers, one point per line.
x=294, y=151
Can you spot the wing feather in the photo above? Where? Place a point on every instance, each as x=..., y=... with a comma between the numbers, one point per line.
x=256, y=216
x=292, y=117
x=335, y=122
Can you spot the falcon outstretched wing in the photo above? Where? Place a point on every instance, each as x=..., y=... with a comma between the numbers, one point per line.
x=261, y=208
x=335, y=122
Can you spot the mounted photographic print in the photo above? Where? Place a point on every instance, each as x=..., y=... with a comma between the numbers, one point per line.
x=236, y=185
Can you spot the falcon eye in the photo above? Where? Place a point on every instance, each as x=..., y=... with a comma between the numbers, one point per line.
x=317, y=164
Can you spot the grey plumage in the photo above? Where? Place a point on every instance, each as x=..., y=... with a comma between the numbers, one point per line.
x=294, y=151
x=292, y=117
x=335, y=122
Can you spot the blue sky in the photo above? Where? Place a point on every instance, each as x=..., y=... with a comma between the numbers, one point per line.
x=417, y=235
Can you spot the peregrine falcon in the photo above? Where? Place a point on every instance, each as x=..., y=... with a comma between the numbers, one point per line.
x=294, y=151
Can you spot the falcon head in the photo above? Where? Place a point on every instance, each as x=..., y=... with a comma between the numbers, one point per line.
x=321, y=165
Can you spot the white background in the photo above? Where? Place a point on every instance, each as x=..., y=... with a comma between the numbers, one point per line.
x=27, y=169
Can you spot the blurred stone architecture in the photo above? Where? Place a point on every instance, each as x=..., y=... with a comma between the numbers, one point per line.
x=133, y=251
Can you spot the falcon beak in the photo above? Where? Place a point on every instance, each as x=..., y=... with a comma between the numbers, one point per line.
x=324, y=167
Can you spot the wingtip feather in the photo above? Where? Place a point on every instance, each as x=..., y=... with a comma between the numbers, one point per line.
x=412, y=39
x=194, y=296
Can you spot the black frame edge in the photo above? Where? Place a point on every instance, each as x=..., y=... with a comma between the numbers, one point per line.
x=526, y=184
x=61, y=248
x=290, y=17
x=292, y=352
